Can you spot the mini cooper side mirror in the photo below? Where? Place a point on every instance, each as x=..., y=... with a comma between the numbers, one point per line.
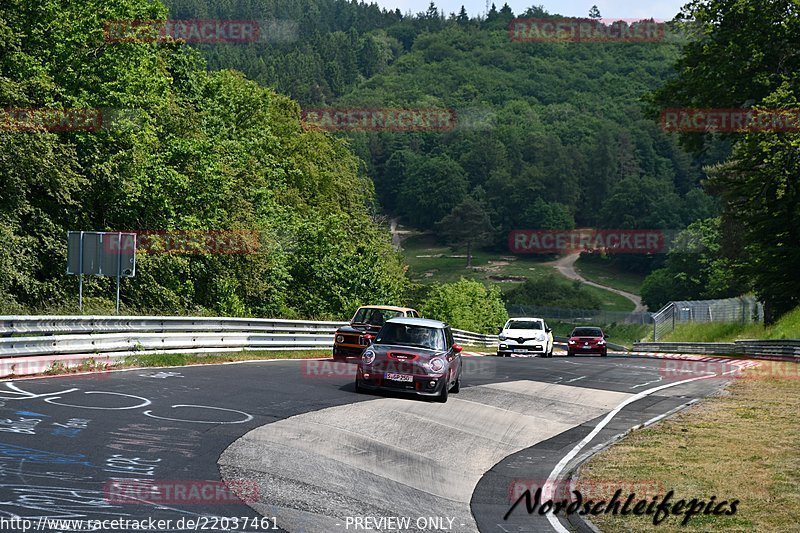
x=457, y=348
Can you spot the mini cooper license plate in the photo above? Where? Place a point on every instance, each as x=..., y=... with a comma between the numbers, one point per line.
x=399, y=377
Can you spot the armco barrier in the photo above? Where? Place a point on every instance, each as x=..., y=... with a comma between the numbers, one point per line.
x=53, y=325
x=101, y=336
x=788, y=349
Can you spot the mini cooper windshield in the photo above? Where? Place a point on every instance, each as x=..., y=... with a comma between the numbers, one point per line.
x=408, y=335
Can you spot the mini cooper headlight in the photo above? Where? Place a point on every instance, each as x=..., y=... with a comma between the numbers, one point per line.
x=340, y=338
x=436, y=364
x=368, y=357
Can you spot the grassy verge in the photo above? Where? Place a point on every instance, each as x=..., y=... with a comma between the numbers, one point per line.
x=182, y=359
x=600, y=271
x=155, y=360
x=788, y=327
x=740, y=445
x=611, y=301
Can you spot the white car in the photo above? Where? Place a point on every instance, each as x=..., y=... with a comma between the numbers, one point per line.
x=526, y=336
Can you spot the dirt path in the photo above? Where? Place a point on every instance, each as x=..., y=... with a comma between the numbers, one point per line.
x=397, y=234
x=566, y=266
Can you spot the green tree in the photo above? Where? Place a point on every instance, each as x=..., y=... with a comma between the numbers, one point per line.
x=189, y=150
x=467, y=305
x=433, y=186
x=555, y=292
x=694, y=270
x=462, y=18
x=468, y=224
x=745, y=54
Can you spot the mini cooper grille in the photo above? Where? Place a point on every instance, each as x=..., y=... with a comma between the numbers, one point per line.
x=398, y=367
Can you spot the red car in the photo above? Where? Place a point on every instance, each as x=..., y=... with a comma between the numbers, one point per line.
x=587, y=340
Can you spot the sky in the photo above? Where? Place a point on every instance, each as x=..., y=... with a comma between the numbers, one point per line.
x=624, y=9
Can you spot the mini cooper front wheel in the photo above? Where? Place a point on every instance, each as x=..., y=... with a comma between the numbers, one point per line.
x=442, y=397
x=456, y=386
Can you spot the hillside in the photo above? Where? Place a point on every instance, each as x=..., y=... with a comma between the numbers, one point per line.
x=551, y=135
x=193, y=151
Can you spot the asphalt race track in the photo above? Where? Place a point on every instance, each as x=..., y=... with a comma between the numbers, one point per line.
x=306, y=448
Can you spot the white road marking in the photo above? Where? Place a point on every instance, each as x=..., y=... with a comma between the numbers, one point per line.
x=247, y=417
x=646, y=383
x=549, y=486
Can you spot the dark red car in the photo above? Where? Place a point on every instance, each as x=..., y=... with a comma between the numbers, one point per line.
x=587, y=340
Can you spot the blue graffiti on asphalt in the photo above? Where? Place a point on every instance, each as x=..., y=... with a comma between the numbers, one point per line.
x=30, y=413
x=9, y=451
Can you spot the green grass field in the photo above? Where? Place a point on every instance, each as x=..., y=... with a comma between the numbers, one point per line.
x=431, y=262
x=601, y=272
x=738, y=445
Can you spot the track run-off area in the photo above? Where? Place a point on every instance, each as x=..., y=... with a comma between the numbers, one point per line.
x=309, y=454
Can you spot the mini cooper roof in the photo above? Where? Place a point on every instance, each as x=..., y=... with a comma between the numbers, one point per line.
x=427, y=322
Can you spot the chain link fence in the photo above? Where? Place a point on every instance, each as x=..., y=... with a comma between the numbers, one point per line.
x=592, y=316
x=745, y=309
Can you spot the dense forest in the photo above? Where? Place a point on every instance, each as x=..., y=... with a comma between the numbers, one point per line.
x=196, y=151
x=561, y=135
x=548, y=135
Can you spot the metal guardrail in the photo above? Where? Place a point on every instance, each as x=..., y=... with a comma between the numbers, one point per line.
x=101, y=335
x=54, y=325
x=475, y=339
x=788, y=349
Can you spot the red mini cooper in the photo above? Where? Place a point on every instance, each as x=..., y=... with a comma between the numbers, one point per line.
x=414, y=355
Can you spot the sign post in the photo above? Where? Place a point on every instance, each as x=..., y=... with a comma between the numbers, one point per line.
x=101, y=253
